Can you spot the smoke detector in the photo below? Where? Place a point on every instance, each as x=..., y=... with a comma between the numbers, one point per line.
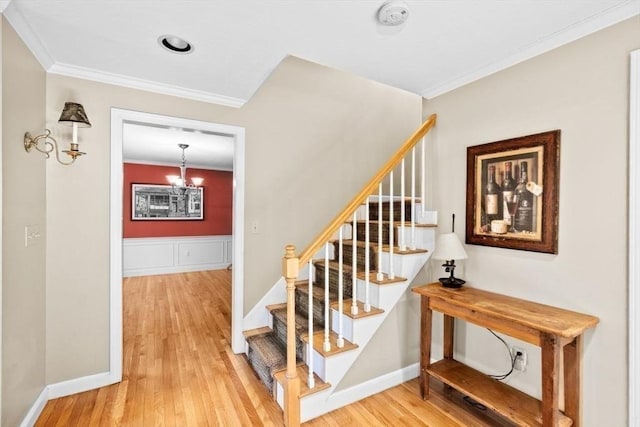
x=394, y=12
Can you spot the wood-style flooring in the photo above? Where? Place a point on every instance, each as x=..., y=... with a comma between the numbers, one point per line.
x=179, y=370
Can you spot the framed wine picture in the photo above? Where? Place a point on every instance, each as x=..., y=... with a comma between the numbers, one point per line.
x=512, y=193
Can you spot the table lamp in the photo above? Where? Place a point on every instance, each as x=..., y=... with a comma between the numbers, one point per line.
x=449, y=249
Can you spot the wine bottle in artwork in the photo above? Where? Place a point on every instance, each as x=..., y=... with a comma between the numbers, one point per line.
x=508, y=187
x=492, y=197
x=523, y=220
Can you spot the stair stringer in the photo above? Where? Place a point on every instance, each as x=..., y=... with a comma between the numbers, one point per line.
x=333, y=369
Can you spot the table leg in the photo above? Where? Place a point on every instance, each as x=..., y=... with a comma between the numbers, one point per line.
x=447, y=340
x=550, y=380
x=573, y=380
x=425, y=345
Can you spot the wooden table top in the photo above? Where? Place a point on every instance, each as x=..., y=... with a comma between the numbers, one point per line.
x=541, y=317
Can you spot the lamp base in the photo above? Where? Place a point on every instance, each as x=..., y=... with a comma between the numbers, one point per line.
x=451, y=282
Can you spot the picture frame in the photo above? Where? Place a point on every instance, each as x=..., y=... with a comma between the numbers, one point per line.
x=160, y=202
x=519, y=215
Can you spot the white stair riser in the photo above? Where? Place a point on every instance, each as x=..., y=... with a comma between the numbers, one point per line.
x=403, y=265
x=354, y=330
x=427, y=217
x=425, y=236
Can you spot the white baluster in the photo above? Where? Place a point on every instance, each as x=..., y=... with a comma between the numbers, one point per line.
x=403, y=246
x=391, y=231
x=423, y=184
x=340, y=341
x=311, y=382
x=412, y=244
x=367, y=266
x=380, y=276
x=326, y=346
x=354, y=265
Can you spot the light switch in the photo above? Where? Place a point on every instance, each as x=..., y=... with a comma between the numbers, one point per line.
x=254, y=227
x=31, y=235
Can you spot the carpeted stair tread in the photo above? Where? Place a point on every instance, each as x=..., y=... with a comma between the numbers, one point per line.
x=257, y=331
x=373, y=209
x=266, y=355
x=396, y=223
x=333, y=273
x=269, y=348
x=318, y=292
x=272, y=307
x=334, y=265
x=302, y=301
x=349, y=242
x=302, y=322
x=373, y=247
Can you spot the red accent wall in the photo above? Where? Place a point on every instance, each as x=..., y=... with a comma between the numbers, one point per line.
x=218, y=188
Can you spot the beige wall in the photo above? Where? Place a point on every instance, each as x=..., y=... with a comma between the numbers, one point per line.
x=23, y=269
x=315, y=135
x=582, y=89
x=306, y=129
x=78, y=221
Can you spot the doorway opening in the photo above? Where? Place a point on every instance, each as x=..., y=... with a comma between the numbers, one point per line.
x=119, y=118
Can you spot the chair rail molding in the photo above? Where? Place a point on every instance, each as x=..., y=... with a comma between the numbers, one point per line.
x=166, y=255
x=634, y=240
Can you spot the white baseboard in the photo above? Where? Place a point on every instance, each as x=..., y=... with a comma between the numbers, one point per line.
x=65, y=388
x=375, y=385
x=36, y=409
x=175, y=269
x=371, y=387
x=78, y=385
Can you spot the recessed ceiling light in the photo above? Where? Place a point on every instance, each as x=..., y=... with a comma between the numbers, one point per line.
x=175, y=44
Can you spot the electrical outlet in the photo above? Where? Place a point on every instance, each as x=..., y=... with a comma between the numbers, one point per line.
x=520, y=357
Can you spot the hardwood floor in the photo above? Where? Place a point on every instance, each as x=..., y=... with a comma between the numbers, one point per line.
x=179, y=370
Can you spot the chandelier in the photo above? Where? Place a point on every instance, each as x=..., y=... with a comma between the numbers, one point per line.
x=179, y=184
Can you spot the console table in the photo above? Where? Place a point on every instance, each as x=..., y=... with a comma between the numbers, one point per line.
x=553, y=329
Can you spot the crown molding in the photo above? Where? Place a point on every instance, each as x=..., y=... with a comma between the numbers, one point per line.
x=581, y=29
x=28, y=36
x=174, y=165
x=141, y=84
x=26, y=33
x=4, y=4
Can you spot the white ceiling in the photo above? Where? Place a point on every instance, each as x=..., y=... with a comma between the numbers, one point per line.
x=443, y=45
x=148, y=144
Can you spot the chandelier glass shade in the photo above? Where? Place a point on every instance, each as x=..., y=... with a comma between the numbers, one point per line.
x=179, y=183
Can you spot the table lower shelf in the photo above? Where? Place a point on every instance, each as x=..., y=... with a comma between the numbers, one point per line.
x=512, y=404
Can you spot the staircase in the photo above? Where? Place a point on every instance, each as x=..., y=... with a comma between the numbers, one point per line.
x=353, y=275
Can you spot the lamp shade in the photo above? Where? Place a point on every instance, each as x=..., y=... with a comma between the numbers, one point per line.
x=74, y=113
x=448, y=247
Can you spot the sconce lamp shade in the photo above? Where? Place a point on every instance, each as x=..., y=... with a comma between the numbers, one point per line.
x=448, y=247
x=74, y=113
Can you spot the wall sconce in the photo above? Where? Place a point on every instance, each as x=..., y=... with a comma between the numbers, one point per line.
x=72, y=115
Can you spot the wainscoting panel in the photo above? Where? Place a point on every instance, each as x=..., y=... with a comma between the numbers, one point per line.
x=164, y=255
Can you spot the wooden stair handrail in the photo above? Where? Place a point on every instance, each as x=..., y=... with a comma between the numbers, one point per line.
x=366, y=191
